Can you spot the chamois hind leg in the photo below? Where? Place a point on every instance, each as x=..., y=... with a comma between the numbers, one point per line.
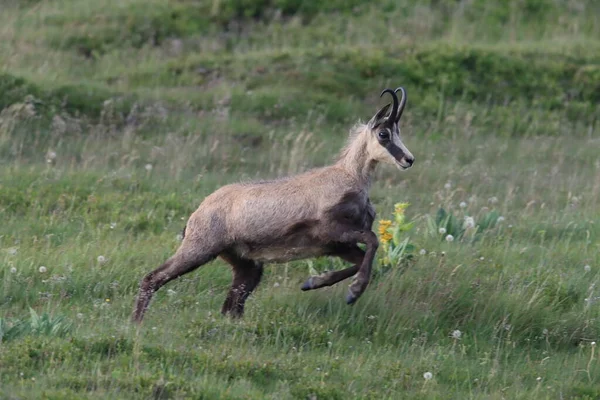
x=187, y=259
x=246, y=277
x=353, y=254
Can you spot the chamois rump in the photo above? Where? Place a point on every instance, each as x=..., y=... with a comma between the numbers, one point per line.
x=322, y=212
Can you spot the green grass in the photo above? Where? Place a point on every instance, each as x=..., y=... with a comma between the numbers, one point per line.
x=118, y=117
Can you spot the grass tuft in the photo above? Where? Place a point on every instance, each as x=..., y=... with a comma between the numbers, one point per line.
x=118, y=117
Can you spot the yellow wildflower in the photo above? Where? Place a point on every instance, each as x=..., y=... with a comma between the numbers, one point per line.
x=384, y=226
x=399, y=208
x=386, y=237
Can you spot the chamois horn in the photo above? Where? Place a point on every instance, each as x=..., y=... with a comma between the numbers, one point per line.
x=392, y=116
x=402, y=102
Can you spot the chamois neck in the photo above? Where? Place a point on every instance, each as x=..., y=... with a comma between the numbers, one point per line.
x=354, y=157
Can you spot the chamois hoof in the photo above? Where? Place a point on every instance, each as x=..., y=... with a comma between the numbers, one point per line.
x=308, y=285
x=351, y=298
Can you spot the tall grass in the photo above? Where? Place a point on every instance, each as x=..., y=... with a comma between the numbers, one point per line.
x=109, y=140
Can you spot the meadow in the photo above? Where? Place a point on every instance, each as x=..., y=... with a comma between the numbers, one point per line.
x=118, y=117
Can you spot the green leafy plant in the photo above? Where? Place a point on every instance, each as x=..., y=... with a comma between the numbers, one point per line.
x=395, y=244
x=446, y=223
x=35, y=325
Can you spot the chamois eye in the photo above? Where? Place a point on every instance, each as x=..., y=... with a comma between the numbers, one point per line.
x=384, y=135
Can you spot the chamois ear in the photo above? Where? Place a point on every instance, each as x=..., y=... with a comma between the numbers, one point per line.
x=380, y=117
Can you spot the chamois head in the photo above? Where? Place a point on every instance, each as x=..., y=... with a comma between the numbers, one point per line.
x=384, y=143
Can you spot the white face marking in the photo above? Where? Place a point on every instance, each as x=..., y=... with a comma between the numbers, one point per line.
x=377, y=151
x=382, y=154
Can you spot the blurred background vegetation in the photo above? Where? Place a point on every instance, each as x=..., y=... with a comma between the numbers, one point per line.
x=118, y=116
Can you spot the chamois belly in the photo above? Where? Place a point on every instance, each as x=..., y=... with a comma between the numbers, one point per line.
x=280, y=252
x=284, y=254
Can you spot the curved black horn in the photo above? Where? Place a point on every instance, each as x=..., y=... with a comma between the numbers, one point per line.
x=402, y=102
x=392, y=116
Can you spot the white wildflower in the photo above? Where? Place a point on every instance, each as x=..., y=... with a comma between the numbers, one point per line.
x=427, y=375
x=148, y=167
x=539, y=379
x=545, y=332
x=587, y=268
x=500, y=219
x=179, y=237
x=43, y=269
x=423, y=252
x=462, y=204
x=593, y=344
x=449, y=238
x=171, y=292
x=79, y=316
x=276, y=284
x=481, y=258
x=493, y=200
x=469, y=222
x=113, y=225
x=442, y=231
x=13, y=270
x=456, y=334
x=447, y=185
x=101, y=259
x=50, y=157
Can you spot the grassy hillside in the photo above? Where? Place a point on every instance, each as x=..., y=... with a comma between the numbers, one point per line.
x=118, y=117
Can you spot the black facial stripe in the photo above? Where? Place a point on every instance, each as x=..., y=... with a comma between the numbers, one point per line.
x=395, y=151
x=388, y=143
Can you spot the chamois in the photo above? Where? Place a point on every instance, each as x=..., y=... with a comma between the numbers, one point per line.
x=322, y=212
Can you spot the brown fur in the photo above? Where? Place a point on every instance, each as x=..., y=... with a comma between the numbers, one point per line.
x=322, y=212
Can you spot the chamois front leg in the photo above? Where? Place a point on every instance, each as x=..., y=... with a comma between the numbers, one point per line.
x=353, y=254
x=349, y=234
